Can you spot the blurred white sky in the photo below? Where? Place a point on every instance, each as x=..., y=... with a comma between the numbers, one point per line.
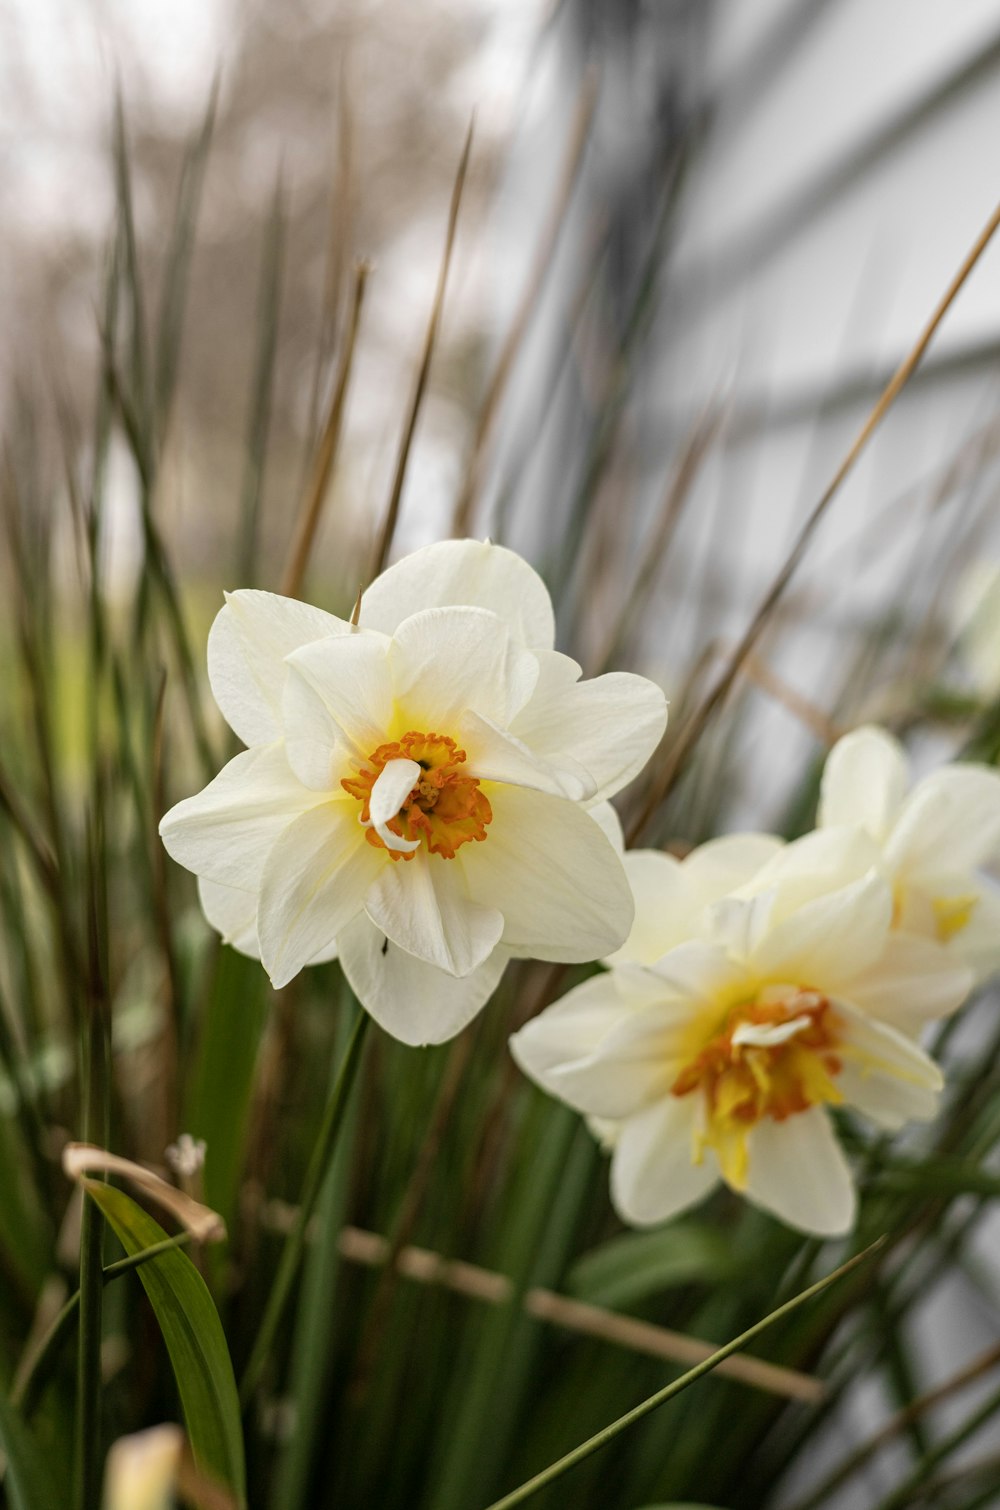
x=60, y=61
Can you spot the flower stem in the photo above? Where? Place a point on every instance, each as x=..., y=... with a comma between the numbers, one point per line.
x=608, y=1433
x=291, y=1256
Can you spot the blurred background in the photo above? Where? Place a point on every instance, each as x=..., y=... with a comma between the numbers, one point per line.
x=695, y=241
x=723, y=219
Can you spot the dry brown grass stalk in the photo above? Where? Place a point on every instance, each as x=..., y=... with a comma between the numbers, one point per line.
x=495, y=388
x=312, y=508
x=428, y=1268
x=691, y=732
x=384, y=543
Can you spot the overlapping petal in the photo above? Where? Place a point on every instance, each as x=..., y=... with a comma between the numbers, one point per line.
x=226, y=831
x=424, y=907
x=609, y=725
x=549, y=870
x=352, y=678
x=653, y=1174
x=797, y=1171
x=247, y=647
x=314, y=881
x=913, y=981
x=454, y=573
x=446, y=661
x=829, y=939
x=950, y=822
x=864, y=782
x=233, y=914
x=412, y=1000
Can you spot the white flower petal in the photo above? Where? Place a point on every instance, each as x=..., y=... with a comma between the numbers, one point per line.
x=609, y=725
x=652, y=1173
x=422, y=905
x=830, y=939
x=819, y=863
x=914, y=981
x=671, y=895
x=393, y=785
x=351, y=675
x=572, y=1028
x=470, y=572
x=635, y=1063
x=884, y=1075
x=547, y=867
x=314, y=743
x=663, y=911
x=233, y=914
x=864, y=782
x=608, y=821
x=313, y=885
x=226, y=831
x=978, y=943
x=739, y=924
x=414, y=1001
x=446, y=661
x=797, y=1171
x=247, y=646
x=949, y=823
x=702, y=974
x=495, y=755
x=721, y=866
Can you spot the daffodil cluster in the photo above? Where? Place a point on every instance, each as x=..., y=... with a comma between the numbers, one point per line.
x=423, y=794
x=764, y=984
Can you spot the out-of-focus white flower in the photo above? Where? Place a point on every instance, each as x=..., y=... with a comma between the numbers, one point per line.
x=976, y=620
x=933, y=839
x=718, y=1058
x=141, y=1470
x=419, y=794
x=186, y=1157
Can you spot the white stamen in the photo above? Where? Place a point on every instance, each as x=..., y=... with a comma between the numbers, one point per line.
x=766, y=1035
x=396, y=781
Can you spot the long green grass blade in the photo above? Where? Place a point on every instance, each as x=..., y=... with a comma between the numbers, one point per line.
x=602, y=1438
x=194, y=1337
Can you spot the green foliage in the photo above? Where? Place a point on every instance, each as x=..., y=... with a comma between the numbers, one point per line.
x=379, y=1389
x=28, y=1481
x=195, y=1341
x=631, y=1268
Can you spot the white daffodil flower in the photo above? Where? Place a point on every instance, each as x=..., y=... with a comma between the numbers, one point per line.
x=933, y=839
x=718, y=1058
x=424, y=795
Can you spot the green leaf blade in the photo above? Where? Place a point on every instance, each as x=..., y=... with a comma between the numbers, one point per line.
x=194, y=1338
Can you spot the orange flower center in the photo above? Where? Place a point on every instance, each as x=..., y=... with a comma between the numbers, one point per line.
x=445, y=808
x=773, y=1058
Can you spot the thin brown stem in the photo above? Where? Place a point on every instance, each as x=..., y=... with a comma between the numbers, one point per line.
x=312, y=506
x=579, y=136
x=425, y=1267
x=384, y=543
x=982, y=1364
x=699, y=443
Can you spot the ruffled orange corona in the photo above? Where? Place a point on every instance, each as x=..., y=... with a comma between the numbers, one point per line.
x=773, y=1058
x=446, y=807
